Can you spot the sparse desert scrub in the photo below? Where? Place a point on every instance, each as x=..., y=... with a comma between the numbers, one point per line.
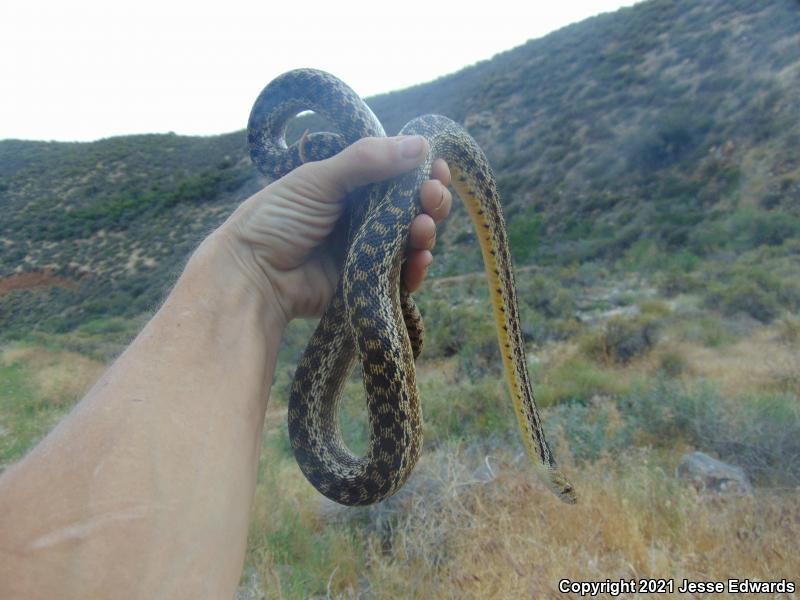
x=759, y=361
x=622, y=339
x=477, y=523
x=576, y=379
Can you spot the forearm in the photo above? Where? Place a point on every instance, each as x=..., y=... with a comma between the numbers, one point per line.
x=152, y=475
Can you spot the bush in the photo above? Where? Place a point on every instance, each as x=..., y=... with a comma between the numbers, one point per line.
x=673, y=282
x=708, y=331
x=789, y=331
x=745, y=229
x=675, y=136
x=622, y=339
x=656, y=309
x=591, y=430
x=465, y=409
x=577, y=380
x=523, y=237
x=672, y=363
x=744, y=296
x=458, y=327
x=759, y=433
x=546, y=296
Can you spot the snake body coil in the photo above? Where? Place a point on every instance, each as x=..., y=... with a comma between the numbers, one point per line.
x=370, y=316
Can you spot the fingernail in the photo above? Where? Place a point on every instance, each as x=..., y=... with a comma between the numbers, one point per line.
x=431, y=243
x=441, y=201
x=411, y=146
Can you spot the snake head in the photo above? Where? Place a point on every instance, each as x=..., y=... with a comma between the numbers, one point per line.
x=561, y=486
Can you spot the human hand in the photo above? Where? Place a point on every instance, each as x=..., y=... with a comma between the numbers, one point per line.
x=277, y=237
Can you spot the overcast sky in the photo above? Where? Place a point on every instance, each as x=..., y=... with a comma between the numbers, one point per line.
x=86, y=69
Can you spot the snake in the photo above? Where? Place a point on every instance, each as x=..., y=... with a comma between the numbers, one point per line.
x=371, y=317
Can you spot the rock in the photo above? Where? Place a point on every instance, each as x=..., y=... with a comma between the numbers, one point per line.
x=709, y=474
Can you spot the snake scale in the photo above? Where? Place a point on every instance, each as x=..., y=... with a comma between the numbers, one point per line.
x=371, y=317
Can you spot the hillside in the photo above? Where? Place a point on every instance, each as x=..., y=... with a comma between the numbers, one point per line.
x=650, y=165
x=653, y=138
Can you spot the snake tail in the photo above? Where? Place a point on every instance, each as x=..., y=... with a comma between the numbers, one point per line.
x=473, y=179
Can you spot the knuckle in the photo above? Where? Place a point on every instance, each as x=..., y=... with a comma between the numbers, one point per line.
x=363, y=150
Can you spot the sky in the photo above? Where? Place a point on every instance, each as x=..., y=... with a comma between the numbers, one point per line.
x=87, y=69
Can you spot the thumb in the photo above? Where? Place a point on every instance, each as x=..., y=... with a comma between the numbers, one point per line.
x=369, y=160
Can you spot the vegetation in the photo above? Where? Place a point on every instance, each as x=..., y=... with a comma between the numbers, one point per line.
x=619, y=427
x=649, y=163
x=647, y=139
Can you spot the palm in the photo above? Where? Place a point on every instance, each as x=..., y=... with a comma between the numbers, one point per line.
x=283, y=233
x=310, y=285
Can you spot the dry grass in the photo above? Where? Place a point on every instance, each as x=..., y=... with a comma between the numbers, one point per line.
x=767, y=359
x=476, y=522
x=761, y=361
x=37, y=387
x=564, y=373
x=636, y=524
x=462, y=529
x=58, y=377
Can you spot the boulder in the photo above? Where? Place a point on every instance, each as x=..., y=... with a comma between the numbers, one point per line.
x=711, y=475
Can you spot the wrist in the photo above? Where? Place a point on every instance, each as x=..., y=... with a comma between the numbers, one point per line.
x=220, y=278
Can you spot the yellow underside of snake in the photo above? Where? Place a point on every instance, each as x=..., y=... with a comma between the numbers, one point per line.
x=371, y=318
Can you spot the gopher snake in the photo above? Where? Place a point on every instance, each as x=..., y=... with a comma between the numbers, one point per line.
x=369, y=310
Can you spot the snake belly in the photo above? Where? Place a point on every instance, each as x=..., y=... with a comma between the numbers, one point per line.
x=371, y=317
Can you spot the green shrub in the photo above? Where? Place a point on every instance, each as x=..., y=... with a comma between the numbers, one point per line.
x=455, y=326
x=744, y=296
x=105, y=325
x=706, y=330
x=523, y=236
x=622, y=339
x=591, y=430
x=789, y=331
x=676, y=135
x=576, y=380
x=674, y=282
x=656, y=309
x=672, y=363
x=464, y=409
x=745, y=229
x=759, y=433
x=545, y=295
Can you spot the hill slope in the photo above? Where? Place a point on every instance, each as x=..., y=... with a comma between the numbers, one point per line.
x=660, y=133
